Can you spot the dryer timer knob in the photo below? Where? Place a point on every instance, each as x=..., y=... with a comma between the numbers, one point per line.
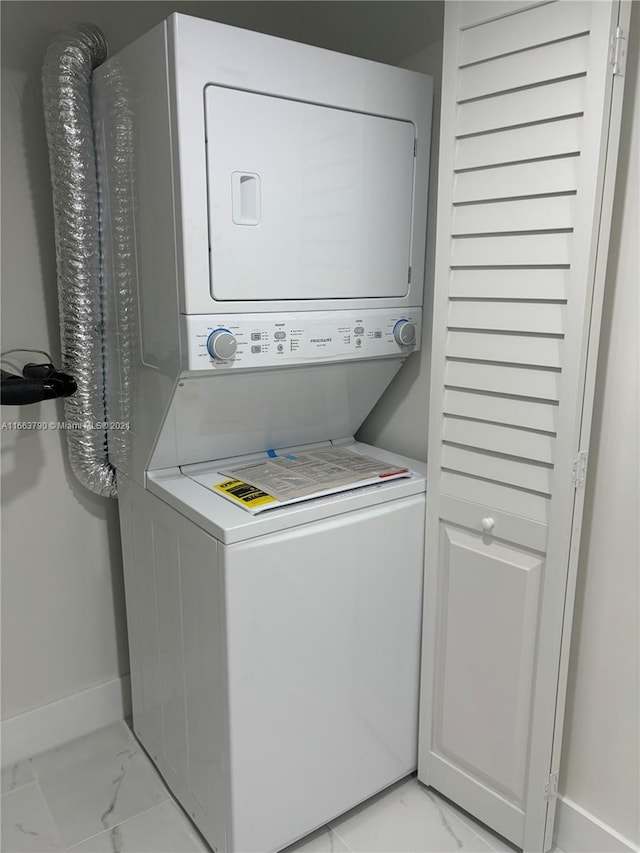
x=404, y=333
x=222, y=344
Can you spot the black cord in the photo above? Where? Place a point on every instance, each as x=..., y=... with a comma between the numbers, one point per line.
x=38, y=381
x=18, y=349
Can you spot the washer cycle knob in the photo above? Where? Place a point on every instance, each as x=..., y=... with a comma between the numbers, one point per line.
x=404, y=333
x=222, y=344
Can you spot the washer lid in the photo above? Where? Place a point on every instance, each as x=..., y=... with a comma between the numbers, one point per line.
x=230, y=523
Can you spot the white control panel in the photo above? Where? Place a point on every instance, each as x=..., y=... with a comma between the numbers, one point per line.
x=236, y=341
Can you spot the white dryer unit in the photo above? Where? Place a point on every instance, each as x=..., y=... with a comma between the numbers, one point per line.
x=264, y=217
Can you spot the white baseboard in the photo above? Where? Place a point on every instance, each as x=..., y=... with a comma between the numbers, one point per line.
x=58, y=722
x=578, y=831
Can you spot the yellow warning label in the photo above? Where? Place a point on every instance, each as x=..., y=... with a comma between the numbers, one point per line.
x=244, y=493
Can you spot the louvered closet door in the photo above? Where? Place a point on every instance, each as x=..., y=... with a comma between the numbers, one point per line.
x=530, y=118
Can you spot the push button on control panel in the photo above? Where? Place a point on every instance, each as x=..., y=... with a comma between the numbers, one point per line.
x=255, y=336
x=255, y=348
x=280, y=336
x=359, y=330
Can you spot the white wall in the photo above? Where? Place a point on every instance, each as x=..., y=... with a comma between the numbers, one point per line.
x=399, y=420
x=601, y=750
x=63, y=627
x=62, y=606
x=62, y=601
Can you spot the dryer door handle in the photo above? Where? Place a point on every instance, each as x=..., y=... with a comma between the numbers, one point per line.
x=245, y=198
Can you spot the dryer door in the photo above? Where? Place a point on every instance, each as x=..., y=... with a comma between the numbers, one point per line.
x=306, y=201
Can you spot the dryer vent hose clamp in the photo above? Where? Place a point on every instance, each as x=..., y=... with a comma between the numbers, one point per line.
x=66, y=84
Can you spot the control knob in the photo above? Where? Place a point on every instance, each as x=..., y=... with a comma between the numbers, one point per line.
x=404, y=333
x=222, y=344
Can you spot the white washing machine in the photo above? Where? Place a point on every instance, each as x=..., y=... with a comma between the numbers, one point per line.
x=274, y=658
x=264, y=213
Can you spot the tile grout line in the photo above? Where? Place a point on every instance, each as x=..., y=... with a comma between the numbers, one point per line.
x=26, y=761
x=115, y=825
x=487, y=832
x=49, y=812
x=193, y=827
x=484, y=841
x=339, y=837
x=18, y=787
x=465, y=819
x=36, y=780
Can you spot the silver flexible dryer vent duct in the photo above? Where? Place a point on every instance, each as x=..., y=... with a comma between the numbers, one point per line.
x=66, y=84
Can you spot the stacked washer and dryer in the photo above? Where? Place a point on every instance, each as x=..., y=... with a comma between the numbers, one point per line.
x=264, y=214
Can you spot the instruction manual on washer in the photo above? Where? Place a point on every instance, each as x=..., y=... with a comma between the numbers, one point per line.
x=280, y=480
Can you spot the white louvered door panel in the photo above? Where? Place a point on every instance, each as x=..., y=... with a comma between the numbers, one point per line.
x=529, y=134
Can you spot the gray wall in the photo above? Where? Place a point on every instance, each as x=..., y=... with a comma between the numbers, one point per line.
x=62, y=607
x=601, y=749
x=399, y=420
x=63, y=627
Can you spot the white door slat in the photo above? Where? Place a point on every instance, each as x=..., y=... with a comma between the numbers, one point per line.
x=487, y=495
x=549, y=139
x=502, y=410
x=539, y=65
x=532, y=214
x=524, y=179
x=500, y=439
x=540, y=318
x=508, y=284
x=516, y=250
x=524, y=30
x=503, y=379
x=551, y=101
x=514, y=349
x=480, y=11
x=511, y=472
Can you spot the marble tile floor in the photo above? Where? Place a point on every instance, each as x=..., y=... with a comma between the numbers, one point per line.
x=101, y=794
